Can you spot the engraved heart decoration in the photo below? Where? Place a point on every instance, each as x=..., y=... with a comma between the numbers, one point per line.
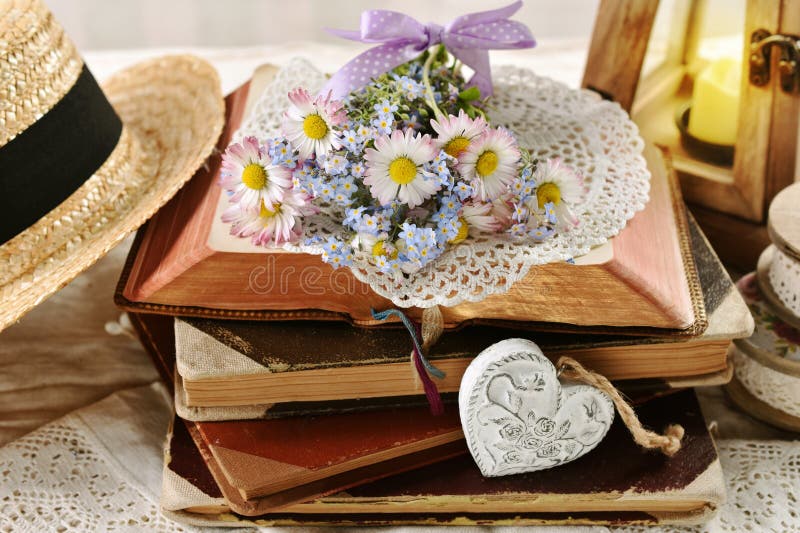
x=518, y=417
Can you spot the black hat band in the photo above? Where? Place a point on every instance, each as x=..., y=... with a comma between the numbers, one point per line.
x=48, y=161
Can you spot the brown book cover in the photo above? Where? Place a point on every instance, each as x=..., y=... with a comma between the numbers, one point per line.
x=156, y=334
x=617, y=483
x=265, y=457
x=642, y=282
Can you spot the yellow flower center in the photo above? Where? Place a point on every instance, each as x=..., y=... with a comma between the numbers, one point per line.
x=456, y=145
x=463, y=231
x=486, y=164
x=402, y=170
x=315, y=127
x=548, y=192
x=266, y=213
x=379, y=249
x=254, y=176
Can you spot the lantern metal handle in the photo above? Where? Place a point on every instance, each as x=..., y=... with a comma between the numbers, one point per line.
x=762, y=42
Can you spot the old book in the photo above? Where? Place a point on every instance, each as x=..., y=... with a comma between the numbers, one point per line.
x=156, y=335
x=235, y=363
x=265, y=457
x=185, y=263
x=189, y=485
x=617, y=483
x=186, y=482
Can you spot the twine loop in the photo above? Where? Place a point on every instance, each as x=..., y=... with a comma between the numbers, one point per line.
x=669, y=443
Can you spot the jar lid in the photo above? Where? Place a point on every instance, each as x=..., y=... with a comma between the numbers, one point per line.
x=784, y=221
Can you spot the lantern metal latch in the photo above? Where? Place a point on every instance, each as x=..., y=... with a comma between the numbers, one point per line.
x=762, y=45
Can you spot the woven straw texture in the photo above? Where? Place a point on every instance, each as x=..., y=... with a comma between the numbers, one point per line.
x=38, y=65
x=172, y=110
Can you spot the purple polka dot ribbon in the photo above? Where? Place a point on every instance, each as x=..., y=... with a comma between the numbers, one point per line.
x=402, y=38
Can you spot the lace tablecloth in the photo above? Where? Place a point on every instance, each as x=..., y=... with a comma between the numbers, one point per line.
x=99, y=468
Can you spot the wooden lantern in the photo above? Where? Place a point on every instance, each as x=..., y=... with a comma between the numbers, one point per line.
x=730, y=200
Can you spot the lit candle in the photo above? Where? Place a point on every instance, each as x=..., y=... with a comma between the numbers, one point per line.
x=715, y=102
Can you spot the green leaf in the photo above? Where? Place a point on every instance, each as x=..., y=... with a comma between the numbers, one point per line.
x=470, y=94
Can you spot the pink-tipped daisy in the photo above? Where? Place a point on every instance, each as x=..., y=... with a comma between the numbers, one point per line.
x=455, y=133
x=248, y=173
x=395, y=168
x=475, y=218
x=309, y=123
x=560, y=185
x=479, y=218
x=502, y=209
x=271, y=227
x=490, y=164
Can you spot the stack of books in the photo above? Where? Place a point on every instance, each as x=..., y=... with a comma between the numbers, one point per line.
x=294, y=407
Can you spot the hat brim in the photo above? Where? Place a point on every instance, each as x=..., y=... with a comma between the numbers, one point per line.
x=173, y=113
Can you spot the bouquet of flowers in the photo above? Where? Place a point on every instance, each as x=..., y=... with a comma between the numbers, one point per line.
x=409, y=165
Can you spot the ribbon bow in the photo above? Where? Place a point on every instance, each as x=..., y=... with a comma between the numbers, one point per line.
x=468, y=37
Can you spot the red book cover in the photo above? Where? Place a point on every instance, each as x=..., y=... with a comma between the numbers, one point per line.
x=263, y=457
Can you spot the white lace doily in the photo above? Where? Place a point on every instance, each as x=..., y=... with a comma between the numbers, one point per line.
x=96, y=469
x=784, y=276
x=762, y=478
x=594, y=136
x=779, y=390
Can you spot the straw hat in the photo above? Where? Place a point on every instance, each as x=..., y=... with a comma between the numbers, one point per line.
x=77, y=174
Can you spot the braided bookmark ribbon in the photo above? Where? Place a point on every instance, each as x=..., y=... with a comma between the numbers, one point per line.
x=421, y=364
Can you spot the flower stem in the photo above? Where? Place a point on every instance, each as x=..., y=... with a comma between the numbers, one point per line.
x=456, y=66
x=426, y=81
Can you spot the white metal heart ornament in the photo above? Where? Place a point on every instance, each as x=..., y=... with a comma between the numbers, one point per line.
x=518, y=417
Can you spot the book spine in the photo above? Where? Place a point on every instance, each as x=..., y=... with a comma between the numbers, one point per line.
x=149, y=328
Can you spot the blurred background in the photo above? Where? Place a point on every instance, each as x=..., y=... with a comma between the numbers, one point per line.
x=103, y=24
x=119, y=24
x=235, y=29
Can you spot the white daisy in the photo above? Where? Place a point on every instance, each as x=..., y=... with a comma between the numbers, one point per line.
x=560, y=185
x=248, y=174
x=271, y=227
x=309, y=124
x=383, y=248
x=365, y=240
x=490, y=164
x=455, y=133
x=395, y=168
x=476, y=218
